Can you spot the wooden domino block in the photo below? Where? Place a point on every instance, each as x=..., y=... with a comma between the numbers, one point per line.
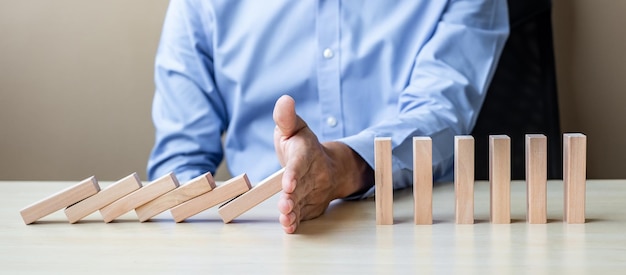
x=383, y=181
x=137, y=198
x=103, y=198
x=500, y=178
x=464, y=179
x=261, y=192
x=59, y=200
x=230, y=189
x=574, y=177
x=195, y=187
x=536, y=178
x=423, y=180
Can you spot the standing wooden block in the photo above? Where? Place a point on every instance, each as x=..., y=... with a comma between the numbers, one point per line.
x=63, y=198
x=261, y=192
x=423, y=180
x=195, y=187
x=140, y=197
x=464, y=179
x=230, y=189
x=574, y=176
x=536, y=178
x=103, y=198
x=500, y=178
x=383, y=181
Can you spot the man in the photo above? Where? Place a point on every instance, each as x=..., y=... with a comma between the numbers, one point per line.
x=353, y=70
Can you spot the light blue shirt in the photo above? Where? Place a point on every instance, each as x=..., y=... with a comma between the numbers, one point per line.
x=356, y=69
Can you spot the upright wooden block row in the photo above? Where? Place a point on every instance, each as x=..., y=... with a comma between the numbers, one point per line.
x=536, y=178
x=261, y=192
x=500, y=178
x=423, y=180
x=135, y=199
x=574, y=176
x=383, y=181
x=195, y=187
x=103, y=198
x=59, y=200
x=228, y=190
x=464, y=179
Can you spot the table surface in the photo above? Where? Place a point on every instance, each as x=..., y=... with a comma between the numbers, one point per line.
x=344, y=240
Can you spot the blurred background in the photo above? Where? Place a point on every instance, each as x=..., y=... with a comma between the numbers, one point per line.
x=76, y=85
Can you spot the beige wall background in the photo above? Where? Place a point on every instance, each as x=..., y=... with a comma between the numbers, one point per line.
x=590, y=47
x=76, y=85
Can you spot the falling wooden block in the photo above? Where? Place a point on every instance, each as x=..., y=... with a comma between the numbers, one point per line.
x=230, y=189
x=536, y=178
x=140, y=197
x=59, y=200
x=500, y=178
x=103, y=198
x=261, y=192
x=574, y=177
x=423, y=180
x=383, y=181
x=464, y=179
x=196, y=187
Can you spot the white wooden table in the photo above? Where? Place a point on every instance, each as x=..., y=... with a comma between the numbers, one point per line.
x=344, y=240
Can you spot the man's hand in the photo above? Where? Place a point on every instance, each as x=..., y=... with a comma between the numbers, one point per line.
x=315, y=173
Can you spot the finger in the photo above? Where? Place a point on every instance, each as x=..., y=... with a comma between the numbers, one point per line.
x=290, y=221
x=290, y=176
x=287, y=220
x=285, y=204
x=290, y=229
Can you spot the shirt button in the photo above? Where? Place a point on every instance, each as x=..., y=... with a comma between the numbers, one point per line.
x=328, y=53
x=331, y=121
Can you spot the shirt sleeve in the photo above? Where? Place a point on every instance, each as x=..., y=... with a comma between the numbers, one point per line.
x=447, y=87
x=188, y=113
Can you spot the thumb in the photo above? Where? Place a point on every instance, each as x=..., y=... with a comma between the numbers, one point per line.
x=285, y=117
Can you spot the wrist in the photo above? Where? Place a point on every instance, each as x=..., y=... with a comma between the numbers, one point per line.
x=350, y=172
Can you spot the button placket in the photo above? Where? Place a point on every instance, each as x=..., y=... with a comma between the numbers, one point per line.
x=328, y=69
